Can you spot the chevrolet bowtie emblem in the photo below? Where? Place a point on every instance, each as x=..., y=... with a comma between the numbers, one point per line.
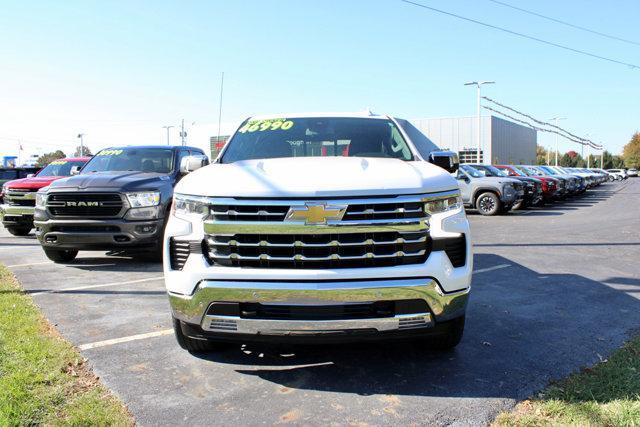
x=315, y=213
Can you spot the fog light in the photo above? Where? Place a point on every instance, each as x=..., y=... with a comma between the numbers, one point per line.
x=145, y=229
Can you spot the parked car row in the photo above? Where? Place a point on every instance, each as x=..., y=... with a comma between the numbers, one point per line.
x=496, y=189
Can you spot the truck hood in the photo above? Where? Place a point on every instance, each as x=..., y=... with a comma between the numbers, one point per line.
x=33, y=183
x=114, y=181
x=316, y=177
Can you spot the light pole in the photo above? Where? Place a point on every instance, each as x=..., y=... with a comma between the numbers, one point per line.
x=556, y=119
x=478, y=132
x=81, y=136
x=602, y=156
x=167, y=128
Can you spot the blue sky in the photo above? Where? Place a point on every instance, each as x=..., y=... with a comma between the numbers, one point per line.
x=120, y=70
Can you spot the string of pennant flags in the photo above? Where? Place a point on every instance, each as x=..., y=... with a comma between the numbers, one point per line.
x=543, y=126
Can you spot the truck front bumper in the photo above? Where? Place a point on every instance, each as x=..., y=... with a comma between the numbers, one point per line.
x=12, y=215
x=220, y=307
x=106, y=234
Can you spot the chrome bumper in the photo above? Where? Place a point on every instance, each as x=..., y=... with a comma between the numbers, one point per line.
x=237, y=325
x=193, y=308
x=13, y=211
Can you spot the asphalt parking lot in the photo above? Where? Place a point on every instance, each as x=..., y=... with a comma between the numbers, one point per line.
x=554, y=289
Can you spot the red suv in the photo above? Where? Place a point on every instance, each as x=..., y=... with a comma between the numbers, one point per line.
x=20, y=194
x=549, y=185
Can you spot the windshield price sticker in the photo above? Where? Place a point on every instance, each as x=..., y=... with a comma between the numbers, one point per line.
x=110, y=152
x=265, y=125
x=58, y=162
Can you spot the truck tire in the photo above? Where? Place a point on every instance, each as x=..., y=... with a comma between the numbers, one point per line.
x=19, y=231
x=446, y=341
x=519, y=205
x=488, y=204
x=61, y=255
x=192, y=345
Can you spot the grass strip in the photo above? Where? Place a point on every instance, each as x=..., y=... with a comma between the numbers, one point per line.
x=43, y=379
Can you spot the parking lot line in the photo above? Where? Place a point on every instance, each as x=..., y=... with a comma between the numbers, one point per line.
x=125, y=339
x=28, y=265
x=495, y=267
x=104, y=285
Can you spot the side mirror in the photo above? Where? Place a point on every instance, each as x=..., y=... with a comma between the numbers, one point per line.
x=75, y=170
x=447, y=160
x=191, y=163
x=31, y=175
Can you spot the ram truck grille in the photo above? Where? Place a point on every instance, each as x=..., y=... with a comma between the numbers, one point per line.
x=85, y=205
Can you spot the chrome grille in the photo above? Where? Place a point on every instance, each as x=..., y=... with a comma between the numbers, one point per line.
x=318, y=233
x=21, y=197
x=83, y=205
x=348, y=250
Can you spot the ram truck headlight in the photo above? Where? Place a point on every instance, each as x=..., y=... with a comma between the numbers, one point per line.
x=41, y=197
x=143, y=199
x=189, y=206
x=443, y=204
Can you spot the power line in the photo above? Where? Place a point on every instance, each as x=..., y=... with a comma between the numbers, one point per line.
x=515, y=33
x=568, y=24
x=579, y=139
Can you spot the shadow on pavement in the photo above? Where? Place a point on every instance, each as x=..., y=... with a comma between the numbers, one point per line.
x=524, y=329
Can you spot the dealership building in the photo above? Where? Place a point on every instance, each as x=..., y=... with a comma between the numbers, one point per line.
x=501, y=141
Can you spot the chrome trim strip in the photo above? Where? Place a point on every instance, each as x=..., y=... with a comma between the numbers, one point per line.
x=267, y=227
x=299, y=244
x=332, y=257
x=329, y=200
x=238, y=325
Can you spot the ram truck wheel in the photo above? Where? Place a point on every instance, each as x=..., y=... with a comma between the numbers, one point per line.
x=61, y=255
x=19, y=231
x=488, y=204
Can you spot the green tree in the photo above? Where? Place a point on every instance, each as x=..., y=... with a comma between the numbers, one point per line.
x=631, y=152
x=541, y=155
x=86, y=151
x=47, y=158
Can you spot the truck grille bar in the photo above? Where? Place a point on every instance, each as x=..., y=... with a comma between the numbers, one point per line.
x=85, y=205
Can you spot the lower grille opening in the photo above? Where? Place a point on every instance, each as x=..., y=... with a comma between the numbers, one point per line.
x=85, y=228
x=365, y=310
x=455, y=248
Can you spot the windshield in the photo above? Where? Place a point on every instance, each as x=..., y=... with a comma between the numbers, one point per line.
x=153, y=160
x=490, y=170
x=549, y=171
x=472, y=171
x=60, y=168
x=317, y=137
x=515, y=171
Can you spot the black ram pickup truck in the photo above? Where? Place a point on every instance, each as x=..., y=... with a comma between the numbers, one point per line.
x=118, y=201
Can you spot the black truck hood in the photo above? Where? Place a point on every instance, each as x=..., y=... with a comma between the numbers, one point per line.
x=114, y=181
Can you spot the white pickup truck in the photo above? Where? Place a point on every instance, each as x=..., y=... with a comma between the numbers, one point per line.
x=319, y=227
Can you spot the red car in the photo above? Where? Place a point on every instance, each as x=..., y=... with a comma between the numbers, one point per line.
x=20, y=194
x=549, y=185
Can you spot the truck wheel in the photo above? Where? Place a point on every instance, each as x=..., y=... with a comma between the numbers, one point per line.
x=488, y=204
x=519, y=205
x=446, y=341
x=61, y=255
x=192, y=345
x=19, y=231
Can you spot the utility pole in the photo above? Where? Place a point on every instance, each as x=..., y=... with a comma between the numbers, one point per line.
x=478, y=84
x=81, y=136
x=548, y=153
x=555, y=119
x=220, y=106
x=167, y=128
x=602, y=157
x=183, y=134
x=588, y=157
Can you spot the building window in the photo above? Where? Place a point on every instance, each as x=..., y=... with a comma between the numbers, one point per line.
x=470, y=155
x=216, y=145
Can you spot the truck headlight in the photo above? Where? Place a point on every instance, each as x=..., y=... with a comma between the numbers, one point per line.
x=41, y=197
x=443, y=204
x=143, y=199
x=189, y=206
